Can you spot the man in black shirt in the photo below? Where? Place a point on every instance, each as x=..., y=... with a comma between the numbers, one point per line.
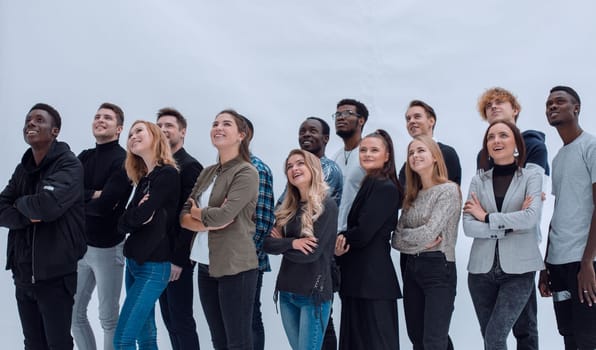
x=107, y=189
x=176, y=300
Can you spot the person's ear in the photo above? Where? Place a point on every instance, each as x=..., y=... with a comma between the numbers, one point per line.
x=55, y=131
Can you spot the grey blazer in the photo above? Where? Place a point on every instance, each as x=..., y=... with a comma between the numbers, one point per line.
x=518, y=247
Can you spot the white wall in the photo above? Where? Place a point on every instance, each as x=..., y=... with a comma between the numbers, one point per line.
x=279, y=62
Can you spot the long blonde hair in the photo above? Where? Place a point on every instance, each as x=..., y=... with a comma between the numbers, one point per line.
x=413, y=181
x=313, y=208
x=135, y=166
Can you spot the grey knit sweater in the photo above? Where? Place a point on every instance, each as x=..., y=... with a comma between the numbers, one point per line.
x=435, y=212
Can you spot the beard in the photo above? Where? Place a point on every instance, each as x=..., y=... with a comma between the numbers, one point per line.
x=345, y=134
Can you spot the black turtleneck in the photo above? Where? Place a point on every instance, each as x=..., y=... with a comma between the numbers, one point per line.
x=502, y=176
x=104, y=171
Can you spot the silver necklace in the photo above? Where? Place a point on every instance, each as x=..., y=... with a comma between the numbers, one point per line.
x=347, y=155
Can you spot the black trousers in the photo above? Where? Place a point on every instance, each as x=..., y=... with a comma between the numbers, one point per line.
x=429, y=294
x=368, y=324
x=45, y=309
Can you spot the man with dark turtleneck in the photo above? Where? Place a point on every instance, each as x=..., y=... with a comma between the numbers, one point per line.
x=107, y=189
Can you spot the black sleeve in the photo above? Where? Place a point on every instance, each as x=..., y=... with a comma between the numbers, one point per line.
x=402, y=176
x=10, y=217
x=453, y=165
x=116, y=190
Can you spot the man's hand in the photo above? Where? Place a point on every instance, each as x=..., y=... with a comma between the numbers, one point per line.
x=586, y=283
x=543, y=284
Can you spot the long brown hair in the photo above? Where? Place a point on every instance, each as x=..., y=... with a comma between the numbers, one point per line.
x=313, y=208
x=520, y=160
x=388, y=170
x=135, y=166
x=241, y=123
x=413, y=180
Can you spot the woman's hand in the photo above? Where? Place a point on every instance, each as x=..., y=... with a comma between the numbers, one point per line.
x=341, y=247
x=195, y=211
x=473, y=207
x=434, y=243
x=275, y=233
x=306, y=244
x=527, y=202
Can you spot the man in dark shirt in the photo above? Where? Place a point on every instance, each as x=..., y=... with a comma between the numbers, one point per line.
x=42, y=206
x=107, y=189
x=176, y=300
x=499, y=104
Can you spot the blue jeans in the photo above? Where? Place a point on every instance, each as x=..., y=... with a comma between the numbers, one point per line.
x=429, y=294
x=101, y=267
x=228, y=304
x=576, y=321
x=175, y=304
x=304, y=322
x=499, y=299
x=144, y=284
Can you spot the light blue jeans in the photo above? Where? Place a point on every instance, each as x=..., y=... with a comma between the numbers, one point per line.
x=101, y=267
x=144, y=284
x=303, y=321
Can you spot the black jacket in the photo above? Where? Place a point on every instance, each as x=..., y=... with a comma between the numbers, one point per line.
x=104, y=171
x=181, y=239
x=149, y=239
x=367, y=269
x=53, y=193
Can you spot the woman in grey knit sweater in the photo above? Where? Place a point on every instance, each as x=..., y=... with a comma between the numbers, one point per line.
x=426, y=235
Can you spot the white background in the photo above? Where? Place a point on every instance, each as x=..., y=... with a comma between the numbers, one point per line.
x=278, y=62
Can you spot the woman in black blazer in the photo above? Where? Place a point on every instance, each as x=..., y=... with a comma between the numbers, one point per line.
x=369, y=288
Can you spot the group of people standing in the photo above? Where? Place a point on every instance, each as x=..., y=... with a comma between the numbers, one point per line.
x=74, y=227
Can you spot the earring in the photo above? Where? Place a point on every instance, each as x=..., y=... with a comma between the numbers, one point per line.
x=490, y=159
x=515, y=153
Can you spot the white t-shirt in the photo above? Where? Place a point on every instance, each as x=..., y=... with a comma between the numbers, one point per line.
x=349, y=163
x=574, y=172
x=200, y=246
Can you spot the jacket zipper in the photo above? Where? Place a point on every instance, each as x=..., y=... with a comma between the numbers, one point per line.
x=33, y=254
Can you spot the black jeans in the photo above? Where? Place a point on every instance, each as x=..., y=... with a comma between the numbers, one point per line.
x=499, y=299
x=176, y=310
x=258, y=331
x=430, y=283
x=45, y=310
x=228, y=303
x=576, y=321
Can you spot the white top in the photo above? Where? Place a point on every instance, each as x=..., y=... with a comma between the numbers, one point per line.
x=200, y=247
x=349, y=163
x=574, y=172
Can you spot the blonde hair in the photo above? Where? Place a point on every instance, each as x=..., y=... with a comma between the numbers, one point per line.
x=313, y=208
x=413, y=181
x=135, y=165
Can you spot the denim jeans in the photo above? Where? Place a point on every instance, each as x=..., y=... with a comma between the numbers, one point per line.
x=175, y=304
x=101, y=267
x=144, y=284
x=303, y=321
x=258, y=331
x=576, y=321
x=525, y=328
x=228, y=304
x=499, y=299
x=45, y=310
x=429, y=294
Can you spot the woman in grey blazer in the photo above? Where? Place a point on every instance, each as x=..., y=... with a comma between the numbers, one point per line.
x=502, y=213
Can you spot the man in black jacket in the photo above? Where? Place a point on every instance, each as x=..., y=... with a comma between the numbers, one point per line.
x=176, y=300
x=107, y=189
x=42, y=206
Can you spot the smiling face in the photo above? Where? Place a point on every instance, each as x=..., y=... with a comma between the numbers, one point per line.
x=311, y=138
x=224, y=132
x=500, y=109
x=105, y=126
x=39, y=129
x=561, y=109
x=140, y=140
x=500, y=143
x=420, y=158
x=418, y=122
x=298, y=173
x=373, y=154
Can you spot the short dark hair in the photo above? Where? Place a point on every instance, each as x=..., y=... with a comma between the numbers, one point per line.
x=427, y=108
x=174, y=113
x=116, y=109
x=568, y=90
x=51, y=111
x=360, y=107
x=324, y=124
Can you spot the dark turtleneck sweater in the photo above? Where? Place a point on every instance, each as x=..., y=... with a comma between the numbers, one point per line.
x=502, y=176
x=104, y=171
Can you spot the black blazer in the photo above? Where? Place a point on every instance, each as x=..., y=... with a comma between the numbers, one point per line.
x=367, y=269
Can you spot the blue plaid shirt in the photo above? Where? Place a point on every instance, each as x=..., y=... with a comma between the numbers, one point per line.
x=264, y=217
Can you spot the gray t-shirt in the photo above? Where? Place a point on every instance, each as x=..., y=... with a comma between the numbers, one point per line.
x=349, y=163
x=574, y=172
